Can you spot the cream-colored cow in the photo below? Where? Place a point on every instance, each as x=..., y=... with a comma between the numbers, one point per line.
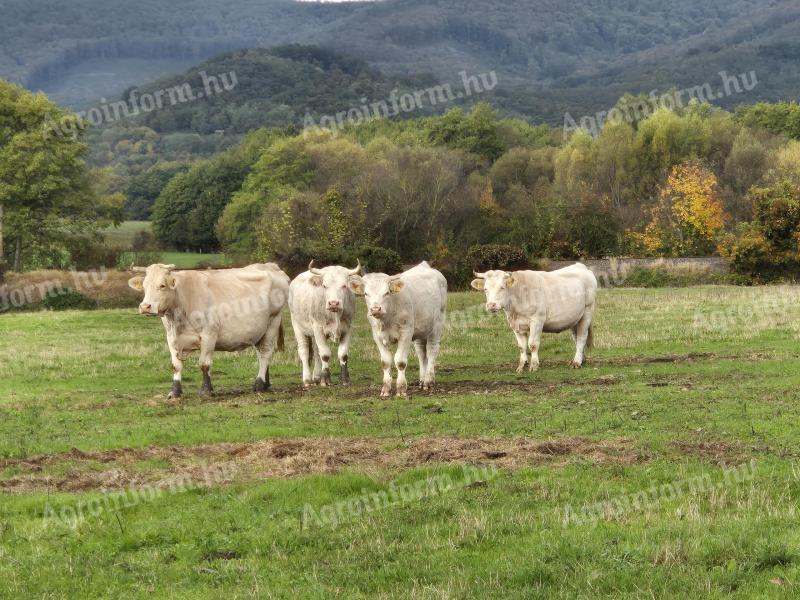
x=226, y=309
x=540, y=301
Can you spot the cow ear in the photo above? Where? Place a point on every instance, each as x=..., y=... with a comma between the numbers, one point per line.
x=396, y=285
x=477, y=284
x=356, y=286
x=510, y=280
x=137, y=283
x=173, y=282
x=315, y=280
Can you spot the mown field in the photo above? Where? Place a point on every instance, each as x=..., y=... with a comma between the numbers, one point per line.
x=666, y=467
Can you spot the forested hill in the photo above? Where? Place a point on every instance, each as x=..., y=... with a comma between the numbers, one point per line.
x=273, y=88
x=550, y=55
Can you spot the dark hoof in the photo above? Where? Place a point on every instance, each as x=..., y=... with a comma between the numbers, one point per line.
x=261, y=386
x=344, y=376
x=176, y=392
x=206, y=391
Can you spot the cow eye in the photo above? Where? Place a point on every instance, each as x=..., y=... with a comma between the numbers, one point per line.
x=162, y=286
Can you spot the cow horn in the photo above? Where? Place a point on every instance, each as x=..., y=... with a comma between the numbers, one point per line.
x=138, y=269
x=479, y=275
x=312, y=270
x=357, y=270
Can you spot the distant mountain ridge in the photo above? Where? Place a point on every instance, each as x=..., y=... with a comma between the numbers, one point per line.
x=550, y=55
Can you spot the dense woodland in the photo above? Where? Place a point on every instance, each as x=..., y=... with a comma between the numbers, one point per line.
x=467, y=188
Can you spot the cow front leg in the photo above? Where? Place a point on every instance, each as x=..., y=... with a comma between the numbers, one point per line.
x=304, y=351
x=386, y=365
x=177, y=370
x=324, y=351
x=422, y=357
x=342, y=352
x=432, y=351
x=401, y=362
x=522, y=344
x=207, y=345
x=534, y=340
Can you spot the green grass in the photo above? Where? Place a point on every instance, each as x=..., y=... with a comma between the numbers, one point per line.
x=124, y=234
x=684, y=381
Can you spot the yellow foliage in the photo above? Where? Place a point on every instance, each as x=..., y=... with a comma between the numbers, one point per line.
x=689, y=216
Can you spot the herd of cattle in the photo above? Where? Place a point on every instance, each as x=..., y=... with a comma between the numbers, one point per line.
x=232, y=309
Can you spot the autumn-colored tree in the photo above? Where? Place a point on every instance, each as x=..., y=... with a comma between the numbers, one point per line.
x=688, y=218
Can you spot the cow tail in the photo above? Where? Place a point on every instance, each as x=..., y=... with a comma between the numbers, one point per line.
x=280, y=337
x=590, y=339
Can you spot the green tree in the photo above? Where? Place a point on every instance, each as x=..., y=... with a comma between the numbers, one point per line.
x=45, y=190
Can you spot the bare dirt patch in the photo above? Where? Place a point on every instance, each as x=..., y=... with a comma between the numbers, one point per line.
x=719, y=451
x=291, y=457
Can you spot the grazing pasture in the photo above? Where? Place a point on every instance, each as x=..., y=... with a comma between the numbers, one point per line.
x=667, y=466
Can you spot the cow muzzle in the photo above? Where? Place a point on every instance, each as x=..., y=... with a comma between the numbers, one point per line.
x=148, y=310
x=376, y=311
x=492, y=307
x=334, y=306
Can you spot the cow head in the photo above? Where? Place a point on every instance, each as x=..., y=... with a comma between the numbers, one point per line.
x=496, y=285
x=159, y=285
x=377, y=290
x=335, y=283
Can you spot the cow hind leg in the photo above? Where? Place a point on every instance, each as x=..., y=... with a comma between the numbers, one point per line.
x=431, y=352
x=265, y=348
x=581, y=333
x=206, y=357
x=422, y=357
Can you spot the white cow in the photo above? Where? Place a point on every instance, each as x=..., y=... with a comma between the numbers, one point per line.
x=322, y=307
x=404, y=308
x=226, y=309
x=537, y=301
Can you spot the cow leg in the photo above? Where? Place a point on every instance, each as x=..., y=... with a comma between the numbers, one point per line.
x=522, y=344
x=432, y=351
x=422, y=357
x=534, y=341
x=316, y=375
x=324, y=356
x=177, y=369
x=343, y=351
x=305, y=348
x=265, y=348
x=386, y=365
x=401, y=361
x=581, y=333
x=206, y=358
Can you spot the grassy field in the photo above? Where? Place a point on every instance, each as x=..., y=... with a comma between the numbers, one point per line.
x=665, y=468
x=123, y=236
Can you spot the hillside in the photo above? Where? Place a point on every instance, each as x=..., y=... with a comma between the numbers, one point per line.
x=550, y=55
x=274, y=87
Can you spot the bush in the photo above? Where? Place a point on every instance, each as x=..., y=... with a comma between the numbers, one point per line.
x=655, y=277
x=497, y=256
x=87, y=255
x=68, y=300
x=377, y=259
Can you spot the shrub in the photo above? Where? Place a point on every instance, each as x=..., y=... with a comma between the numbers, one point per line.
x=497, y=256
x=377, y=259
x=86, y=254
x=68, y=300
